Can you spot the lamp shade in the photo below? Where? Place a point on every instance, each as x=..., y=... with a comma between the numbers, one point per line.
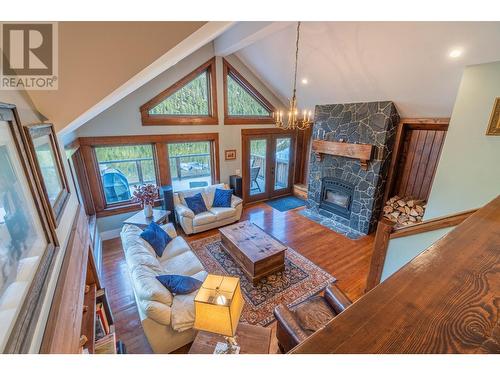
x=218, y=305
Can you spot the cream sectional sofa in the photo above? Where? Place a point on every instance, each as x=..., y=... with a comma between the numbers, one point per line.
x=215, y=216
x=167, y=319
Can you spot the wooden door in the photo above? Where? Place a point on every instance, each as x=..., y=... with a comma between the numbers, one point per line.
x=417, y=158
x=268, y=163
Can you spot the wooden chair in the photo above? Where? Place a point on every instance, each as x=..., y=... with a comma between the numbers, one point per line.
x=254, y=174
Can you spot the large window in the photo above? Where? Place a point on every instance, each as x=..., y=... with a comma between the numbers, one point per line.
x=121, y=168
x=115, y=165
x=243, y=104
x=190, y=165
x=190, y=101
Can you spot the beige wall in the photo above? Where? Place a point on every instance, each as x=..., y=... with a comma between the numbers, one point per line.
x=124, y=117
x=468, y=174
x=95, y=58
x=29, y=115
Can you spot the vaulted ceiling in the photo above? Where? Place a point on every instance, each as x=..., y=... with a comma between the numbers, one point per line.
x=98, y=58
x=407, y=62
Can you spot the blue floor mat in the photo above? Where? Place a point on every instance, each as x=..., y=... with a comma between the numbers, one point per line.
x=286, y=203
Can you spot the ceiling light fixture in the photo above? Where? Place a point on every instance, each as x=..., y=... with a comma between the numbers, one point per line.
x=455, y=53
x=293, y=121
x=305, y=81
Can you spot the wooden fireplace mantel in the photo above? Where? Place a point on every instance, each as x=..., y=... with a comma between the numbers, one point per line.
x=363, y=152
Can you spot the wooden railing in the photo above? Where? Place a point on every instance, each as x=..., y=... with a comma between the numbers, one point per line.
x=386, y=232
x=443, y=301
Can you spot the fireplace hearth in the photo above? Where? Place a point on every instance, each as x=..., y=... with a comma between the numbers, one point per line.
x=346, y=183
x=336, y=196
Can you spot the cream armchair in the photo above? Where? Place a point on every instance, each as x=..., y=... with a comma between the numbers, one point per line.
x=213, y=218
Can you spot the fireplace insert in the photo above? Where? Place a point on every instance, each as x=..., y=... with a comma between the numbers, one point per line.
x=336, y=196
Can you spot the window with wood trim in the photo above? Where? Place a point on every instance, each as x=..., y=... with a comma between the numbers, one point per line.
x=243, y=104
x=114, y=165
x=190, y=101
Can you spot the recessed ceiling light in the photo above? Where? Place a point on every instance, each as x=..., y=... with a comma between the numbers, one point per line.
x=455, y=53
x=304, y=81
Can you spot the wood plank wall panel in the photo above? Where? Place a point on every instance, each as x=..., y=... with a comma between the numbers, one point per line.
x=418, y=162
x=62, y=333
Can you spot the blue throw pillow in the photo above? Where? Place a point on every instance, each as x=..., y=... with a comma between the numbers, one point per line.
x=222, y=198
x=179, y=284
x=156, y=237
x=196, y=203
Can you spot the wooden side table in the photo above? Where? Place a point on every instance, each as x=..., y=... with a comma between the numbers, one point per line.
x=251, y=340
x=159, y=217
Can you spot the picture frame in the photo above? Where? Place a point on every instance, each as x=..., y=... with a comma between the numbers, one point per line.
x=49, y=167
x=230, y=154
x=494, y=123
x=28, y=242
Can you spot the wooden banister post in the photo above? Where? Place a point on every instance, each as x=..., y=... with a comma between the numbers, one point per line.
x=380, y=245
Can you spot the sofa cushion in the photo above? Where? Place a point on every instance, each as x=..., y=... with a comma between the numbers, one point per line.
x=196, y=203
x=131, y=237
x=189, y=193
x=179, y=284
x=204, y=218
x=177, y=246
x=156, y=237
x=139, y=256
x=170, y=229
x=183, y=264
x=157, y=311
x=148, y=288
x=222, y=213
x=183, y=312
x=222, y=198
x=209, y=193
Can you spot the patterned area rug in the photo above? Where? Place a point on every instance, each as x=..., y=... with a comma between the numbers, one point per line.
x=300, y=279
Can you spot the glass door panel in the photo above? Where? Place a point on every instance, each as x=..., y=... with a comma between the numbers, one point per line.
x=282, y=163
x=257, y=167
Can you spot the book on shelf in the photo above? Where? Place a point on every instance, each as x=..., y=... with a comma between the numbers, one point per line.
x=120, y=347
x=102, y=314
x=106, y=345
x=99, y=328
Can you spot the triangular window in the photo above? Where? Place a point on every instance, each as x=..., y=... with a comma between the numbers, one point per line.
x=188, y=101
x=243, y=103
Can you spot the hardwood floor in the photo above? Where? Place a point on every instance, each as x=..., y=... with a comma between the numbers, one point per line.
x=346, y=259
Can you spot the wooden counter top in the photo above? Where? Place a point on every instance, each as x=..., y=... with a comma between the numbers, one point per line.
x=446, y=300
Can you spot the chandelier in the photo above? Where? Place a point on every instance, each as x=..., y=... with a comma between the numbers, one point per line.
x=294, y=120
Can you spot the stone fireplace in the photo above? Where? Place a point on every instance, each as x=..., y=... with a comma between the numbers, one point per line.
x=344, y=192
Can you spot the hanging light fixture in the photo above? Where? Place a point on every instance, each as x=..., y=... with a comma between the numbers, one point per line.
x=294, y=120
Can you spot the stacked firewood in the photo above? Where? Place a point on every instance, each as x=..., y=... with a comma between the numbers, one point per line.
x=404, y=211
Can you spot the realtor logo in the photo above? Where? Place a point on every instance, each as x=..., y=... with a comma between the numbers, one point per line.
x=29, y=58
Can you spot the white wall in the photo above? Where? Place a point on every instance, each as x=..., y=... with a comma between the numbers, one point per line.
x=124, y=117
x=468, y=173
x=29, y=115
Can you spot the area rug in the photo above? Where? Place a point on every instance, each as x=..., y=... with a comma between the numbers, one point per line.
x=300, y=280
x=286, y=203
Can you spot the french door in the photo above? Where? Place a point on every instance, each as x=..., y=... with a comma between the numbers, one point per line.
x=268, y=163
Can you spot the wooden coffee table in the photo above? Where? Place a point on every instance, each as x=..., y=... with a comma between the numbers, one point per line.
x=256, y=252
x=250, y=339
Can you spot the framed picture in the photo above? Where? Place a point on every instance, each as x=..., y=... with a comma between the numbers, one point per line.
x=49, y=166
x=494, y=124
x=27, y=241
x=230, y=154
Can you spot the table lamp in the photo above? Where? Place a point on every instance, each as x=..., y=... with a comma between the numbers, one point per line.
x=218, y=307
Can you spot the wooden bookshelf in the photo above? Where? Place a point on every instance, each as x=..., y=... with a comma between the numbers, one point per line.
x=89, y=318
x=71, y=326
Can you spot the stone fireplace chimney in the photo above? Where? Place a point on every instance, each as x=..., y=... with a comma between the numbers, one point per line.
x=345, y=193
